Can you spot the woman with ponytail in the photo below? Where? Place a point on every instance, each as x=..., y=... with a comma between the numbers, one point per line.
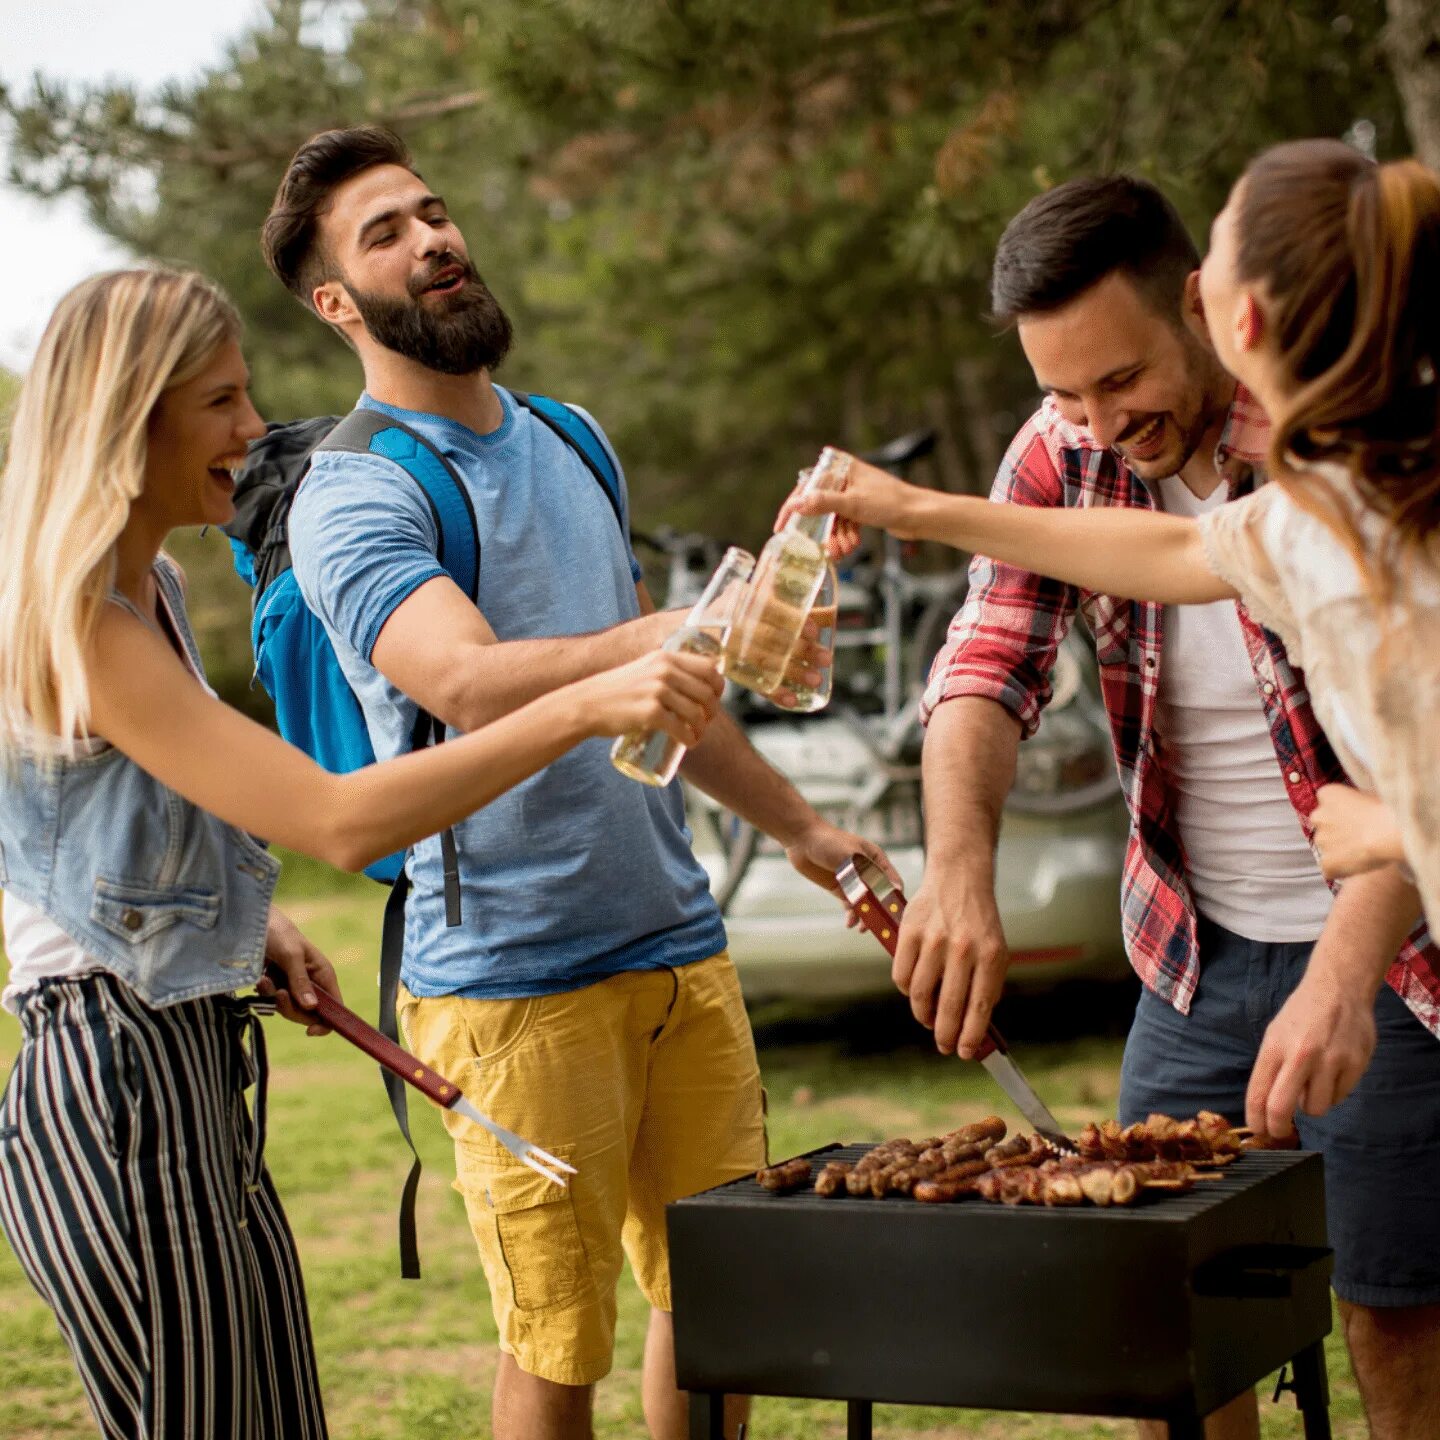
x=133, y=1187
x=1321, y=295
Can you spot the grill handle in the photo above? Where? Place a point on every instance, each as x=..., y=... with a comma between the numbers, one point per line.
x=364, y=1036
x=1260, y=1272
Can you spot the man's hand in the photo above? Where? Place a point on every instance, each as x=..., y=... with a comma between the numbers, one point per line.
x=807, y=662
x=821, y=848
x=1314, y=1053
x=1318, y=1046
x=305, y=968
x=1354, y=832
x=952, y=958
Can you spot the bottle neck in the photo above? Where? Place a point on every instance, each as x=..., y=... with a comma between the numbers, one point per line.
x=814, y=527
x=828, y=473
x=720, y=591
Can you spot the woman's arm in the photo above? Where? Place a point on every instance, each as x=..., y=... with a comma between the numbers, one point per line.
x=145, y=702
x=1137, y=554
x=1353, y=832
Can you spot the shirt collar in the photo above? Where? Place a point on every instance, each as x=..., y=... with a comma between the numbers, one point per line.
x=1245, y=438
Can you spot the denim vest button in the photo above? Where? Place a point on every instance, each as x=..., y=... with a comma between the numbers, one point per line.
x=132, y=919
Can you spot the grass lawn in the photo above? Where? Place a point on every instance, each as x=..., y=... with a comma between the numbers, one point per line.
x=413, y=1361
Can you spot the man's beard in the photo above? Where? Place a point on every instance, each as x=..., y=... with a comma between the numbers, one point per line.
x=1211, y=387
x=454, y=334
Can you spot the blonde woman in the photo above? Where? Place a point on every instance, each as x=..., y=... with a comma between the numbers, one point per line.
x=132, y=1182
x=1321, y=294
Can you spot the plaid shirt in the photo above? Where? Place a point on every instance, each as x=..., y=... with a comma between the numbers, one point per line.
x=1002, y=646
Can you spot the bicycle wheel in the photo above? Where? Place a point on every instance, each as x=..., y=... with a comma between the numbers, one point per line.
x=736, y=842
x=934, y=625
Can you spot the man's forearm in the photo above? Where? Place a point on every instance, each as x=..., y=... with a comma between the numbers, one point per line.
x=1372, y=915
x=968, y=766
x=728, y=768
x=490, y=681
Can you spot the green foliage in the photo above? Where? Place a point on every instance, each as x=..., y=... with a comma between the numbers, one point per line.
x=733, y=229
x=401, y=1360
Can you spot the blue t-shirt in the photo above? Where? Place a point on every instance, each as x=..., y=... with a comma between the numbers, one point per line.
x=577, y=873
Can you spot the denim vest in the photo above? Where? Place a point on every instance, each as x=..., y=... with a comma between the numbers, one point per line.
x=159, y=892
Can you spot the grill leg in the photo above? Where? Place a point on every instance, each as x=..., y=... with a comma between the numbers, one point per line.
x=857, y=1420
x=707, y=1415
x=1187, y=1426
x=1312, y=1391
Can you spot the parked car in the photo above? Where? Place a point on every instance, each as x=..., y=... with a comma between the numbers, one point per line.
x=1058, y=864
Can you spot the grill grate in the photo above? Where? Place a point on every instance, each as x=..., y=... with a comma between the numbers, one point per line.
x=1250, y=1169
x=1166, y=1309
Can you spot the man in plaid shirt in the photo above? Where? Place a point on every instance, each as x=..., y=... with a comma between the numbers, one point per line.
x=1220, y=756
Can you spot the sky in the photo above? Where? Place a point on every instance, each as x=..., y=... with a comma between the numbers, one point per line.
x=46, y=247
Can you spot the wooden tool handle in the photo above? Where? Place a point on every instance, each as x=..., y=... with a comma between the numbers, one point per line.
x=364, y=1036
x=882, y=919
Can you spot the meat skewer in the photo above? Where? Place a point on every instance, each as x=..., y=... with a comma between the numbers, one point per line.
x=1208, y=1139
x=1072, y=1182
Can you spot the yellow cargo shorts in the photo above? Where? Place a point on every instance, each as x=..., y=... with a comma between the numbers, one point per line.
x=647, y=1083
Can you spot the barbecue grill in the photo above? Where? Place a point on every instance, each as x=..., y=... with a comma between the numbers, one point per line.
x=1165, y=1310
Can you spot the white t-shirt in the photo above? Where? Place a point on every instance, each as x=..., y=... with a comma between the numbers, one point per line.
x=1250, y=866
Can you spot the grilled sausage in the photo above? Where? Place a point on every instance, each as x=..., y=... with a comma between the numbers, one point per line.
x=951, y=1183
x=831, y=1180
x=990, y=1130
x=780, y=1179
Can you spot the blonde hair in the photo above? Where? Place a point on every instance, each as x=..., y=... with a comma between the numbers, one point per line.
x=74, y=465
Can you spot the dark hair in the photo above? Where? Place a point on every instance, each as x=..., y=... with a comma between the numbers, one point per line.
x=319, y=167
x=1073, y=236
x=1348, y=255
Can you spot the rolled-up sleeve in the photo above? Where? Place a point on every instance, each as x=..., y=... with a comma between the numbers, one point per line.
x=362, y=541
x=1001, y=645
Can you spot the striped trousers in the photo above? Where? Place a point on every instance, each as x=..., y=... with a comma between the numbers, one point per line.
x=134, y=1193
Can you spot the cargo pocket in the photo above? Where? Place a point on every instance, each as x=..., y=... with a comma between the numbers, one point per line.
x=536, y=1234
x=137, y=912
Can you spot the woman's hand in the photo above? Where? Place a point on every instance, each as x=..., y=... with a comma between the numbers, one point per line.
x=1354, y=832
x=667, y=690
x=870, y=496
x=305, y=969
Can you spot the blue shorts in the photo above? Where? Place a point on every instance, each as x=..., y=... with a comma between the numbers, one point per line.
x=1381, y=1145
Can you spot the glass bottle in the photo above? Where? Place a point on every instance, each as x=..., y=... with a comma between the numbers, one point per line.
x=788, y=575
x=809, y=698
x=652, y=757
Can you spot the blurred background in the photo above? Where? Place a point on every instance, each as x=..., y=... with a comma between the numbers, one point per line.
x=735, y=230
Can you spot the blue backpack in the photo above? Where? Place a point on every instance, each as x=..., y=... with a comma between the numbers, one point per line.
x=315, y=707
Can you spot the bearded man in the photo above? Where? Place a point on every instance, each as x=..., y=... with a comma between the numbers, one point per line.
x=586, y=997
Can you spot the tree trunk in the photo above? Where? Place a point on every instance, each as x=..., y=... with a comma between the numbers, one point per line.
x=1412, y=45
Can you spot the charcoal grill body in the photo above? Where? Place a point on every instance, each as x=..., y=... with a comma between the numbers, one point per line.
x=1166, y=1310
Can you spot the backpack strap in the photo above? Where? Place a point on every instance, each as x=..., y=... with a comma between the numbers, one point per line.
x=370, y=432
x=583, y=439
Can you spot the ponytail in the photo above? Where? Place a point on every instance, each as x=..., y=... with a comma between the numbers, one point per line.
x=1348, y=253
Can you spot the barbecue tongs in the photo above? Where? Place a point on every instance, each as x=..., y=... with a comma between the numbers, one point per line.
x=880, y=904
x=427, y=1081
